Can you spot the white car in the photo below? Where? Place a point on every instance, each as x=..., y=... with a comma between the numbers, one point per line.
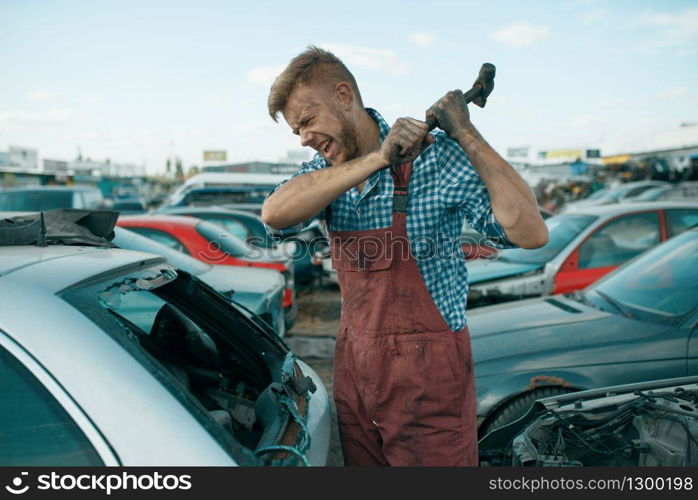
x=113, y=357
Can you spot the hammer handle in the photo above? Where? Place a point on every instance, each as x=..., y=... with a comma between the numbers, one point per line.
x=469, y=97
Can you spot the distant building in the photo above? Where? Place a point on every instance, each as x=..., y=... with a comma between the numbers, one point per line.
x=524, y=156
x=254, y=167
x=296, y=156
x=678, y=148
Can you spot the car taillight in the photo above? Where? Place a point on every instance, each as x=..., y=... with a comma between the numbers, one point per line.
x=288, y=276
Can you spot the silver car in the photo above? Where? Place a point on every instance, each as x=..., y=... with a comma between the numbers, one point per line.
x=583, y=246
x=113, y=357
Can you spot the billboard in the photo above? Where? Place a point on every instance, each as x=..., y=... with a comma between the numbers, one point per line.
x=215, y=155
x=55, y=166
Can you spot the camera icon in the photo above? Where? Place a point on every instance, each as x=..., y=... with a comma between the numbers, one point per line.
x=16, y=488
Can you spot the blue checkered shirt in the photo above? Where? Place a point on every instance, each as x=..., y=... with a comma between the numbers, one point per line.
x=444, y=190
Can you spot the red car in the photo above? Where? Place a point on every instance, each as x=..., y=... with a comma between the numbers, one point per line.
x=212, y=244
x=474, y=244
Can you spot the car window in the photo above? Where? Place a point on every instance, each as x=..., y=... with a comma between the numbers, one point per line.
x=161, y=237
x=562, y=229
x=234, y=227
x=680, y=220
x=227, y=242
x=620, y=240
x=35, y=430
x=31, y=201
x=653, y=194
x=661, y=285
x=209, y=357
x=78, y=201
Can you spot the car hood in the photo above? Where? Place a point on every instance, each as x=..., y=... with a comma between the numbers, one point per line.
x=252, y=286
x=486, y=270
x=549, y=332
x=278, y=254
x=243, y=279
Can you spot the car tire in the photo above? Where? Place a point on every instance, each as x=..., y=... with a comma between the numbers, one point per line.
x=517, y=407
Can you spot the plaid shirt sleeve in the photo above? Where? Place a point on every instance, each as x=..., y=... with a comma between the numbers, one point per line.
x=306, y=167
x=462, y=188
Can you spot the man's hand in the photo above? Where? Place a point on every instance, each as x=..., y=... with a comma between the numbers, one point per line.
x=451, y=114
x=406, y=140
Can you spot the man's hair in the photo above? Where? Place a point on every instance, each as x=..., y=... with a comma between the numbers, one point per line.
x=302, y=70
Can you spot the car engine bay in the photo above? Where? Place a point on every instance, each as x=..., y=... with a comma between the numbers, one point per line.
x=643, y=428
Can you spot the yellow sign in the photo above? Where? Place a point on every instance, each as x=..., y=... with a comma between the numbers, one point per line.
x=215, y=156
x=564, y=154
x=615, y=160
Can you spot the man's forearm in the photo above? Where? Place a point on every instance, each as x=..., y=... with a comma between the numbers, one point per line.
x=513, y=203
x=306, y=195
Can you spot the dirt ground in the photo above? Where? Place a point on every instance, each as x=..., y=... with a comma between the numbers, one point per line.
x=312, y=338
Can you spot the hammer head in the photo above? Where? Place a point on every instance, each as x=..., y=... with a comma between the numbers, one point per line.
x=485, y=80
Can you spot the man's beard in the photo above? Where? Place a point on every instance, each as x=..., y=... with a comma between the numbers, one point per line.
x=347, y=139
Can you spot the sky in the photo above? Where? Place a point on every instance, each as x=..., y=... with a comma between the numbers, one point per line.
x=138, y=81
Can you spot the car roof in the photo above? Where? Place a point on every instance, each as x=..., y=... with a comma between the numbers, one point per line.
x=233, y=178
x=57, y=267
x=623, y=208
x=180, y=220
x=51, y=188
x=211, y=209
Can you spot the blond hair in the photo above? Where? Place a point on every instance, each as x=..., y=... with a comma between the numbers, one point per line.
x=314, y=63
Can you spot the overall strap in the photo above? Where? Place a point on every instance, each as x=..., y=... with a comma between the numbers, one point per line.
x=401, y=179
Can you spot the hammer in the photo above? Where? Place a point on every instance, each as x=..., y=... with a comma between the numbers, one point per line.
x=482, y=88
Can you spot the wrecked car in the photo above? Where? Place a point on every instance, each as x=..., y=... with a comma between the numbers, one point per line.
x=638, y=323
x=647, y=424
x=259, y=290
x=582, y=247
x=213, y=244
x=114, y=357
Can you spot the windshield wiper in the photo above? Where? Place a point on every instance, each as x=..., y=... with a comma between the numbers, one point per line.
x=615, y=304
x=581, y=297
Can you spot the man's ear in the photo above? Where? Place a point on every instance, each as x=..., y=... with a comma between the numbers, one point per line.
x=345, y=95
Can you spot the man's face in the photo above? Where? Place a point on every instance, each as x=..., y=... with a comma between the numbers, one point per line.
x=315, y=113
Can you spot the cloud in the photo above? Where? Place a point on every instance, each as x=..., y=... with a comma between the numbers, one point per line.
x=39, y=95
x=369, y=58
x=673, y=93
x=264, y=75
x=679, y=29
x=93, y=99
x=56, y=115
x=422, y=40
x=593, y=15
x=521, y=33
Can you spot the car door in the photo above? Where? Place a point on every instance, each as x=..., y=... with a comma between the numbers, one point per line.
x=679, y=220
x=40, y=424
x=161, y=237
x=612, y=244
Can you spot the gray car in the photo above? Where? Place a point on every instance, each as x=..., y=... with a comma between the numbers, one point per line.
x=583, y=247
x=113, y=357
x=638, y=323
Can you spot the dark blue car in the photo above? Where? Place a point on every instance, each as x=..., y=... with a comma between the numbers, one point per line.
x=636, y=324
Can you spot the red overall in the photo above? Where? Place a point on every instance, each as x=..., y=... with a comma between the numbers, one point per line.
x=404, y=384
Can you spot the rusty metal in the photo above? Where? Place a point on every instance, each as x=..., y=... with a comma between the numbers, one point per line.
x=546, y=381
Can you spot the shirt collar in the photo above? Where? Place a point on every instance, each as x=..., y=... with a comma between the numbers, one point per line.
x=383, y=126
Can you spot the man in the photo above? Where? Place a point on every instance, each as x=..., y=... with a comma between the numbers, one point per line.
x=404, y=383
